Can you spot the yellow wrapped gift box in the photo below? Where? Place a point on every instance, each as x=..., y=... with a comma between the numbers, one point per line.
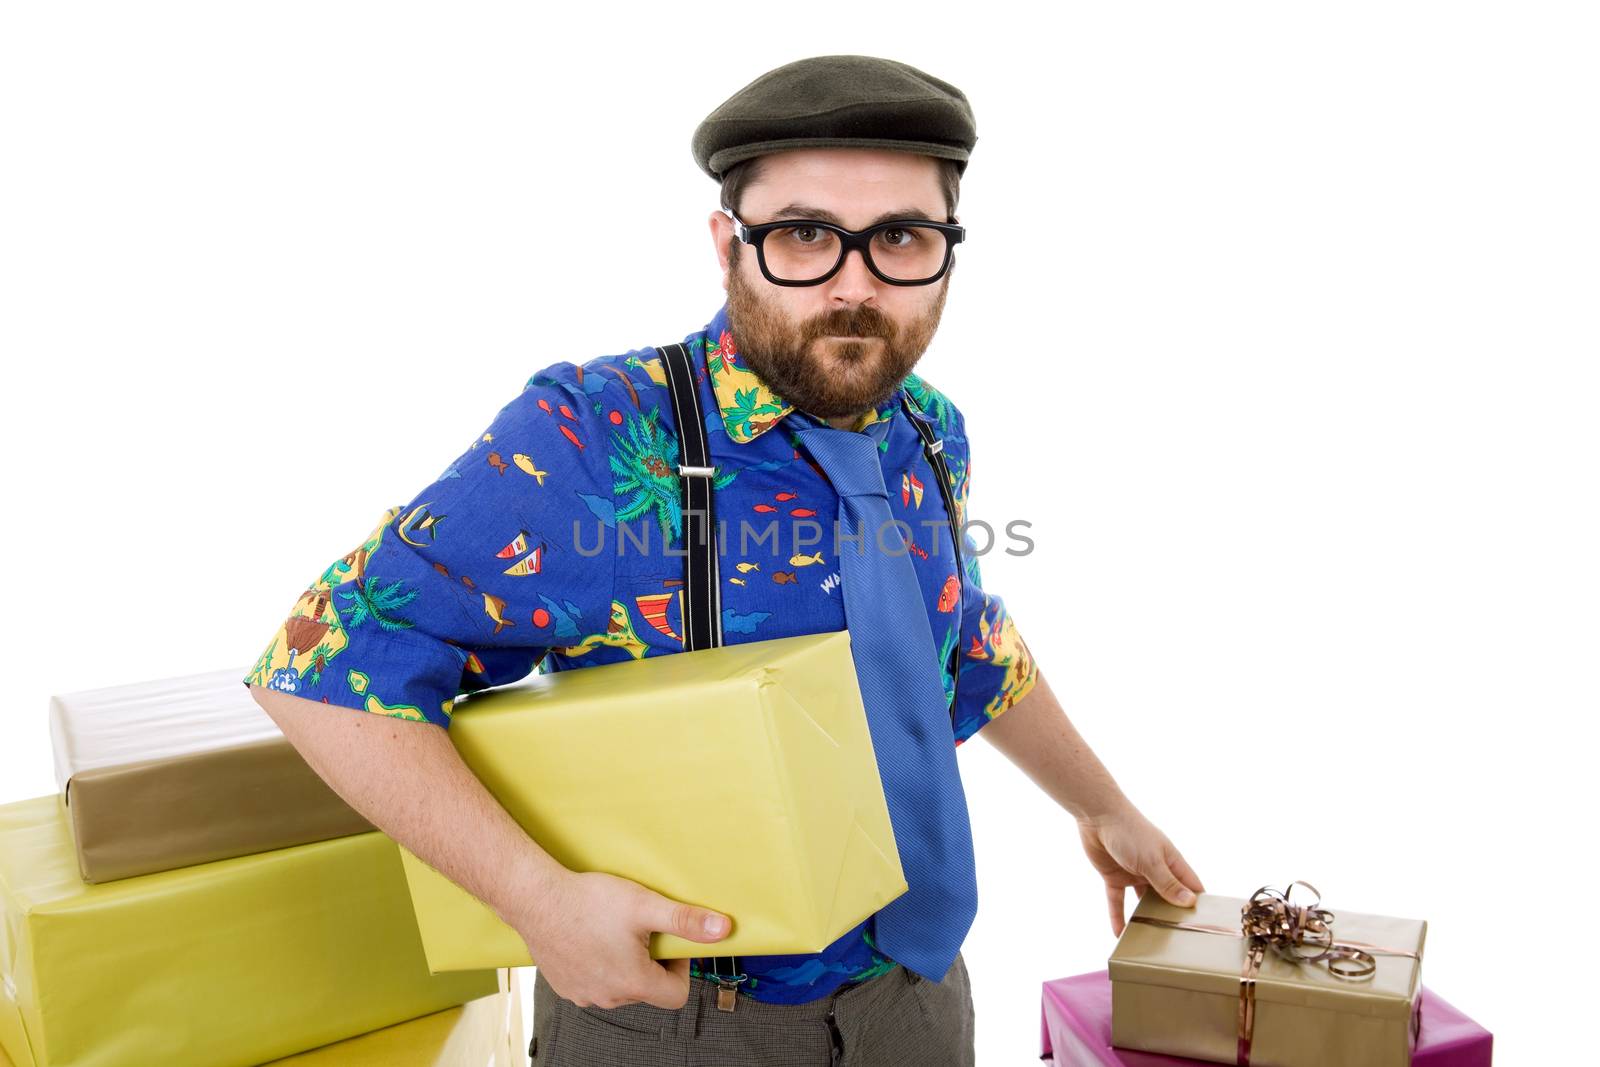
x=1186, y=982
x=228, y=963
x=739, y=778
x=486, y=1032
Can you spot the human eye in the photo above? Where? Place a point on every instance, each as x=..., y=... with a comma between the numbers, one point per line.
x=802, y=235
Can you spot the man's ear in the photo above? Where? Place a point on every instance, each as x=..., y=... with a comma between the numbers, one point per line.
x=721, y=233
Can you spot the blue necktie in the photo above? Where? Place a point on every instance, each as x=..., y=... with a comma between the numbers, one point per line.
x=902, y=686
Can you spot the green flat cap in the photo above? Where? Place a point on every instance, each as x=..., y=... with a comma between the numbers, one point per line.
x=838, y=102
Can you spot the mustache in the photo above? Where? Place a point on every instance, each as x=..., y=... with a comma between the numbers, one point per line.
x=856, y=325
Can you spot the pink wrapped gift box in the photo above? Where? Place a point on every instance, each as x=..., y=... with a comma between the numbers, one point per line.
x=1075, y=1030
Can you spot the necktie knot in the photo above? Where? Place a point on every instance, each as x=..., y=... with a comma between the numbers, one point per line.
x=849, y=459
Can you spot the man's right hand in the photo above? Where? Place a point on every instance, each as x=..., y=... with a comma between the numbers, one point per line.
x=590, y=938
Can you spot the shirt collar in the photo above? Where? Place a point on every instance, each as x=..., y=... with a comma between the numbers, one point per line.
x=749, y=408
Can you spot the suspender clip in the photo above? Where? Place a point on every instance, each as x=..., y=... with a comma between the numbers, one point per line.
x=727, y=990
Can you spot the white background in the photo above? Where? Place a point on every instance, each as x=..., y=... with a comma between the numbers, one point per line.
x=1277, y=321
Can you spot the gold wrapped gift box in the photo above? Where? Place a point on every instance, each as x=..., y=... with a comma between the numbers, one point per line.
x=740, y=778
x=235, y=962
x=180, y=771
x=1185, y=992
x=486, y=1032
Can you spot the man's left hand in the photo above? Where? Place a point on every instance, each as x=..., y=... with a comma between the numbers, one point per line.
x=1128, y=850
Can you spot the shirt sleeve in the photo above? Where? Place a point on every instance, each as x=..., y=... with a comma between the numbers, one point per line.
x=466, y=586
x=994, y=667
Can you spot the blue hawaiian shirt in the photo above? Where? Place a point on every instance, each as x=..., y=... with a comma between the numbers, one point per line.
x=475, y=583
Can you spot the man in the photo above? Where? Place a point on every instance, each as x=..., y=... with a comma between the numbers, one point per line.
x=824, y=164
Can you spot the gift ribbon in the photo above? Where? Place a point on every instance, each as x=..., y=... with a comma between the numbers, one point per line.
x=1269, y=920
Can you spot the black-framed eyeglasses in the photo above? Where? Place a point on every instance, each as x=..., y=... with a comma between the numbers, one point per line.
x=809, y=252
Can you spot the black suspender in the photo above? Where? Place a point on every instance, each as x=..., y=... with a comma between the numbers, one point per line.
x=933, y=448
x=702, y=593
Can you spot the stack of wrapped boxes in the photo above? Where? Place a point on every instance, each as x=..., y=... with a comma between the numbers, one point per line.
x=1274, y=980
x=196, y=896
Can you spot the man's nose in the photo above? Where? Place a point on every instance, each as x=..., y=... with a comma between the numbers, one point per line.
x=855, y=281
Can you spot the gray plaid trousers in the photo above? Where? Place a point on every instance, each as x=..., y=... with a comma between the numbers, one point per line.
x=896, y=1018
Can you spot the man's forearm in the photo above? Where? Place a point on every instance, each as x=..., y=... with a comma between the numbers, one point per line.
x=407, y=779
x=1035, y=734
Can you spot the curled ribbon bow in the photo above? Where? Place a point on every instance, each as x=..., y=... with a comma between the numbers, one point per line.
x=1268, y=918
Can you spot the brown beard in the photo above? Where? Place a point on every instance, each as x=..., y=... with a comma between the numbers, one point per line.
x=781, y=354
